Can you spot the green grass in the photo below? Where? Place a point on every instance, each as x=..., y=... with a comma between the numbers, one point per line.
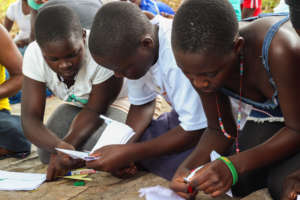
x=268, y=5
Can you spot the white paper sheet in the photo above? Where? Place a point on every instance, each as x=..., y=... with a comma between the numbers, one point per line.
x=20, y=181
x=158, y=193
x=298, y=197
x=78, y=154
x=115, y=133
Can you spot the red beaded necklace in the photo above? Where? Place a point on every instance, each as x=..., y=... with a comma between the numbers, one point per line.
x=239, y=115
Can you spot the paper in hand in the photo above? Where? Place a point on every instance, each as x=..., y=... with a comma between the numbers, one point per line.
x=78, y=154
x=298, y=197
x=115, y=133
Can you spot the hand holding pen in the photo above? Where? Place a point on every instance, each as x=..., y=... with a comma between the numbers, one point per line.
x=214, y=178
x=180, y=183
x=188, y=179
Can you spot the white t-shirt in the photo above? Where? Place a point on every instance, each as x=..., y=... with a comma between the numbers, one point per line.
x=166, y=79
x=15, y=14
x=36, y=68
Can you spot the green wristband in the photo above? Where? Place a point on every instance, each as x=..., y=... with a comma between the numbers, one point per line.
x=231, y=168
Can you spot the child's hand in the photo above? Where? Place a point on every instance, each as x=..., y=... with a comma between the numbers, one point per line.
x=112, y=158
x=213, y=179
x=126, y=172
x=166, y=15
x=179, y=186
x=291, y=186
x=61, y=163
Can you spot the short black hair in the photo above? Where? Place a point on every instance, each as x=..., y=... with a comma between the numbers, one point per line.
x=117, y=30
x=204, y=25
x=56, y=23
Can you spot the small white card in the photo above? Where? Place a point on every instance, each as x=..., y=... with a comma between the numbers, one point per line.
x=298, y=197
x=78, y=154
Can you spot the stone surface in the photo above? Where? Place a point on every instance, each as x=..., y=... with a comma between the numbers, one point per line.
x=103, y=187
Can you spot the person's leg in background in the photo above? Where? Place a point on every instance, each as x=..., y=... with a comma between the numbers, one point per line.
x=12, y=138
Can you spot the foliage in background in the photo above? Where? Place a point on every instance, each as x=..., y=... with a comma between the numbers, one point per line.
x=3, y=6
x=268, y=5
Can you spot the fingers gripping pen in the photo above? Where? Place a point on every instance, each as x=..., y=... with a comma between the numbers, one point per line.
x=189, y=177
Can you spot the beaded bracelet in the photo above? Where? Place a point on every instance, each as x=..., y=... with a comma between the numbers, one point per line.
x=231, y=168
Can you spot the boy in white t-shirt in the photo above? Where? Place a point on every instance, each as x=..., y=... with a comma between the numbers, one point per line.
x=19, y=12
x=123, y=40
x=60, y=60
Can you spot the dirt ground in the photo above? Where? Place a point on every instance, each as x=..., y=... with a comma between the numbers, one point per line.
x=102, y=187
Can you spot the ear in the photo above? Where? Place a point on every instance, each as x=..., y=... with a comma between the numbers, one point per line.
x=147, y=42
x=83, y=35
x=238, y=45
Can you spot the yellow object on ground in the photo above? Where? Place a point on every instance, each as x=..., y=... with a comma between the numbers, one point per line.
x=79, y=177
x=4, y=103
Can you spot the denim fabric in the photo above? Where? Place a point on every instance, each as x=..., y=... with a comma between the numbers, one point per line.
x=265, y=54
x=273, y=103
x=11, y=133
x=262, y=15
